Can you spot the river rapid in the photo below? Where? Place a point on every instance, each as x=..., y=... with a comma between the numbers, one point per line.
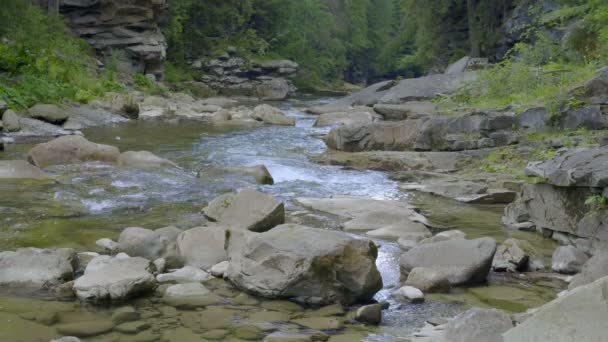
x=96, y=200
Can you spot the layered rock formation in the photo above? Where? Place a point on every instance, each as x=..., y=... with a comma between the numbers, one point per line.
x=129, y=30
x=232, y=75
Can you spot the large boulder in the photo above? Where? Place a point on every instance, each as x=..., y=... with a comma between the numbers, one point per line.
x=48, y=113
x=275, y=89
x=71, y=150
x=512, y=256
x=594, y=91
x=203, y=247
x=462, y=261
x=33, y=267
x=424, y=88
x=20, y=169
x=344, y=118
x=594, y=269
x=272, y=116
x=248, y=210
x=10, y=121
x=408, y=110
x=114, y=279
x=307, y=265
x=584, y=167
x=143, y=159
x=579, y=315
x=568, y=260
x=259, y=173
x=146, y=243
x=478, y=324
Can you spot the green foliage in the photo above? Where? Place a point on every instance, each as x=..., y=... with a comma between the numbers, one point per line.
x=148, y=86
x=596, y=203
x=41, y=62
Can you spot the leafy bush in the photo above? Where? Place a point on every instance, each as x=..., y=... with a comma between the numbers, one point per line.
x=41, y=62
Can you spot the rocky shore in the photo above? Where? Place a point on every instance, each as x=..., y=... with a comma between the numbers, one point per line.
x=258, y=267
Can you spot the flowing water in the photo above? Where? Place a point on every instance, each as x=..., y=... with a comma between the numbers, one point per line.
x=97, y=200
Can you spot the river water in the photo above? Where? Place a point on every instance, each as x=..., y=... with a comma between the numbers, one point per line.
x=97, y=200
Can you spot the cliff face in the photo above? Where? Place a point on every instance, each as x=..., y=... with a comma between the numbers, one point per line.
x=127, y=29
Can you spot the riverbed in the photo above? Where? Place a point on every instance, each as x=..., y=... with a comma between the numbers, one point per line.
x=96, y=200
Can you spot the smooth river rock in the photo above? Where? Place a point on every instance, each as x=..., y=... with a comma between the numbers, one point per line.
x=461, y=261
x=203, y=247
x=20, y=169
x=143, y=159
x=579, y=315
x=146, y=243
x=33, y=267
x=307, y=265
x=568, y=260
x=71, y=149
x=247, y=210
x=259, y=173
x=48, y=113
x=114, y=279
x=272, y=116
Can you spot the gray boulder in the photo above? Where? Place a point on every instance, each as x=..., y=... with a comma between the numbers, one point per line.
x=408, y=110
x=424, y=88
x=365, y=97
x=428, y=280
x=307, y=265
x=70, y=150
x=344, y=118
x=33, y=267
x=594, y=269
x=579, y=315
x=272, y=116
x=478, y=324
x=48, y=113
x=145, y=243
x=248, y=210
x=584, y=167
x=511, y=256
x=20, y=169
x=534, y=119
x=259, y=173
x=461, y=261
x=114, y=279
x=275, y=89
x=204, y=247
x=10, y=121
x=568, y=260
x=594, y=91
x=143, y=159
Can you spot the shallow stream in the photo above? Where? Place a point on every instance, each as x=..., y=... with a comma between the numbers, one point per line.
x=96, y=200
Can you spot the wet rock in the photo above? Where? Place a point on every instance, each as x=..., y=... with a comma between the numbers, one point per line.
x=320, y=323
x=555, y=321
x=215, y=334
x=132, y=328
x=406, y=230
x=581, y=167
x=187, y=274
x=369, y=314
x=114, y=279
x=594, y=269
x=160, y=264
x=288, y=337
x=259, y=173
x=410, y=293
x=510, y=256
x=20, y=169
x=248, y=332
x=478, y=325
x=306, y=265
x=48, y=113
x=462, y=261
x=125, y=314
x=568, y=260
x=85, y=329
x=180, y=334
x=343, y=118
x=146, y=243
x=85, y=257
x=190, y=296
x=108, y=245
x=272, y=116
x=428, y=280
x=70, y=150
x=247, y=210
x=411, y=110
x=67, y=339
x=454, y=234
x=35, y=267
x=204, y=247
x=218, y=270
x=493, y=196
x=143, y=159
x=10, y=121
